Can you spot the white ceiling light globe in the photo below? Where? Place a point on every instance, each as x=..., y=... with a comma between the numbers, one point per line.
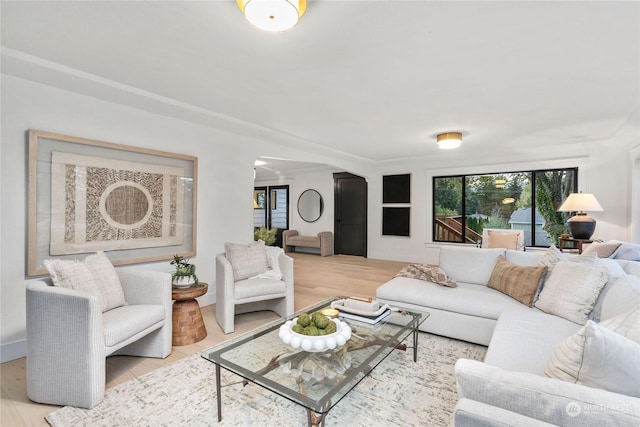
x=271, y=15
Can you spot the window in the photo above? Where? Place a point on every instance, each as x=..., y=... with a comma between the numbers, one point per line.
x=514, y=200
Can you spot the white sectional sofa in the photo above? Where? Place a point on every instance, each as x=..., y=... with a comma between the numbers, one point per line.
x=510, y=386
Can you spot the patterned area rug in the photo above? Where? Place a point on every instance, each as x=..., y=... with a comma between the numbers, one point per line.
x=398, y=392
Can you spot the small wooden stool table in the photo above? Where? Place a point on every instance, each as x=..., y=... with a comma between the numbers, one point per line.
x=188, y=326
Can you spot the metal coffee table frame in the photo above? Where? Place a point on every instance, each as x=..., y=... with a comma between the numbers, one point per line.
x=383, y=337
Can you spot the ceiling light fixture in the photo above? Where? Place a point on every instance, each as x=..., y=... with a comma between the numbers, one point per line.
x=273, y=15
x=449, y=140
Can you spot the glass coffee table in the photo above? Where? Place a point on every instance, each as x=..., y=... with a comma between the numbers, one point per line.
x=316, y=381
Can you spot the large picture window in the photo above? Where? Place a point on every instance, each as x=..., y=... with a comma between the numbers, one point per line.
x=465, y=205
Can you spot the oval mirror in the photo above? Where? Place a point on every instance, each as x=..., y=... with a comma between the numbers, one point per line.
x=310, y=205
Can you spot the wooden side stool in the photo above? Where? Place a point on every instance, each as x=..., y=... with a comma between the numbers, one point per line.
x=188, y=326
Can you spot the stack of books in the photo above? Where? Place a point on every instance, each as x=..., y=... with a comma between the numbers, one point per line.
x=366, y=319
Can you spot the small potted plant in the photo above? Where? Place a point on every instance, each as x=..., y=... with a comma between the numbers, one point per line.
x=185, y=274
x=267, y=235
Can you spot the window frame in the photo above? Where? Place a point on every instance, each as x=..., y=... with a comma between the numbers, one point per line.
x=464, y=176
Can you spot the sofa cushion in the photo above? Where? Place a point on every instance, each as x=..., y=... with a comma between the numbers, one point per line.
x=469, y=265
x=250, y=288
x=463, y=299
x=124, y=322
x=429, y=273
x=246, y=260
x=519, y=282
x=572, y=290
x=529, y=258
x=523, y=340
x=598, y=357
x=95, y=275
x=545, y=399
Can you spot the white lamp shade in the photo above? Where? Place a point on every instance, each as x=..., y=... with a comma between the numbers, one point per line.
x=273, y=15
x=580, y=202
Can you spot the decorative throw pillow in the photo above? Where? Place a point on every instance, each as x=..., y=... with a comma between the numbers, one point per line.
x=626, y=324
x=95, y=275
x=247, y=260
x=501, y=239
x=551, y=257
x=628, y=251
x=429, y=273
x=596, y=356
x=571, y=290
x=517, y=281
x=273, y=272
x=602, y=250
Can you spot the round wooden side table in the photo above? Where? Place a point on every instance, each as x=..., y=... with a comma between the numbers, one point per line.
x=188, y=326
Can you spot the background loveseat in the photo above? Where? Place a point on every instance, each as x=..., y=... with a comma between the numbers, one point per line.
x=510, y=387
x=323, y=241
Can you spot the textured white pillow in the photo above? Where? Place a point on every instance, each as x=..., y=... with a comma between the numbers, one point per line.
x=247, y=260
x=626, y=324
x=273, y=272
x=598, y=357
x=572, y=290
x=95, y=275
x=551, y=257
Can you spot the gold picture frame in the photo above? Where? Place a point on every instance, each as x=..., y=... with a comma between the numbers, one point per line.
x=85, y=196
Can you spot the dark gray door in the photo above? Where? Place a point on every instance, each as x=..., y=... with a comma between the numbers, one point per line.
x=350, y=228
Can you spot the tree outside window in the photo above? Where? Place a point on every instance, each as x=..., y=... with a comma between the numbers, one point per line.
x=465, y=205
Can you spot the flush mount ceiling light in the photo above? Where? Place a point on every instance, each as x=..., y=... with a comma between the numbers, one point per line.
x=273, y=15
x=449, y=140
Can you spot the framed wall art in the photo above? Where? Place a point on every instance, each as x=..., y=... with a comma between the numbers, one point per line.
x=85, y=196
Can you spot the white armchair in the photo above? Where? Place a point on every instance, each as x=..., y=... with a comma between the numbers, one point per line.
x=249, y=295
x=69, y=337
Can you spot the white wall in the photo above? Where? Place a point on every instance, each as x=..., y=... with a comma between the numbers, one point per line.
x=226, y=183
x=225, y=178
x=320, y=180
x=603, y=169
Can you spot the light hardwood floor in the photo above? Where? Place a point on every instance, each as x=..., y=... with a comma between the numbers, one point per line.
x=316, y=278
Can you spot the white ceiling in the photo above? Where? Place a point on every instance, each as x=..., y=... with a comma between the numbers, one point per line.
x=374, y=79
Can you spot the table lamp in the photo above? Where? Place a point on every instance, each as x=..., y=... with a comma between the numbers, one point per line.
x=581, y=225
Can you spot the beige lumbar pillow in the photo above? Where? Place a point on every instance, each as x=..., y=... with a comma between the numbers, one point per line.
x=517, y=281
x=597, y=356
x=427, y=272
x=94, y=275
x=572, y=289
x=247, y=260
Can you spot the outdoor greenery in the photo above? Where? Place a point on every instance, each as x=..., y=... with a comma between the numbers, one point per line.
x=490, y=200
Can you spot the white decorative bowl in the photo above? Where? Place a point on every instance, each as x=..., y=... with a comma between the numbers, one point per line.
x=315, y=344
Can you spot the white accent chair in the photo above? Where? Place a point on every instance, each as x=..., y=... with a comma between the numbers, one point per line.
x=249, y=295
x=69, y=337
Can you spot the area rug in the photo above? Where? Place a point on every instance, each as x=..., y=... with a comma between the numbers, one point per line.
x=398, y=392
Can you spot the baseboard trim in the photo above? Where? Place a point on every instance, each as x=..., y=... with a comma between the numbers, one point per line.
x=13, y=350
x=208, y=298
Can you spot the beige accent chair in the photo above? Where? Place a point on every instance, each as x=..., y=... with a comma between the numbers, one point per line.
x=503, y=238
x=253, y=294
x=69, y=337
